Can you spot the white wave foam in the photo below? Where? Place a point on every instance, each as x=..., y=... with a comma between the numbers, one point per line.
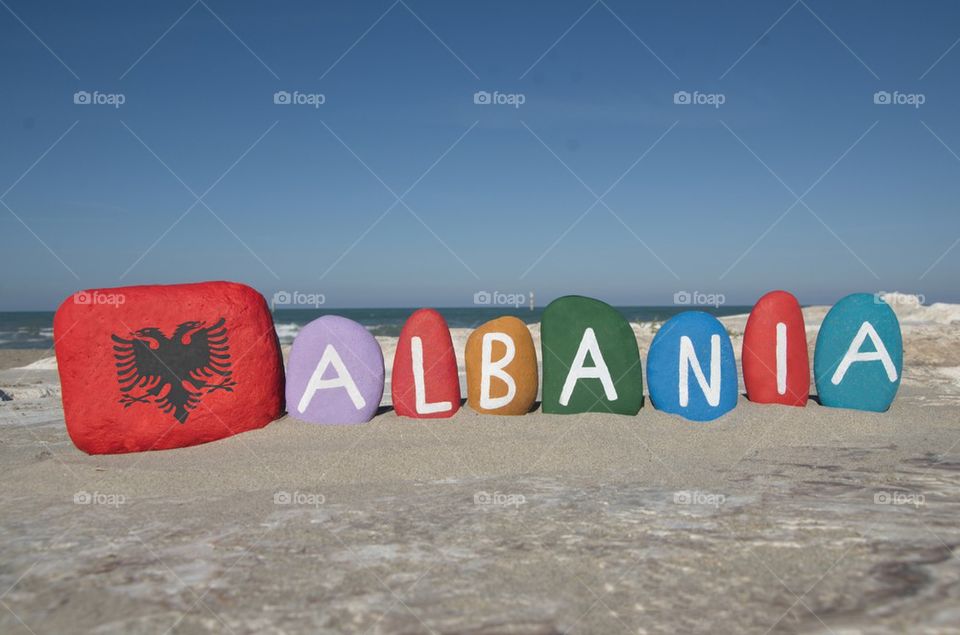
x=286, y=332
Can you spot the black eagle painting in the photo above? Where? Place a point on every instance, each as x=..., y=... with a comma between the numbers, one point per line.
x=174, y=372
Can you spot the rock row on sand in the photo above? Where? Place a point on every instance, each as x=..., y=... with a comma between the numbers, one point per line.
x=691, y=368
x=776, y=365
x=335, y=373
x=501, y=362
x=155, y=367
x=591, y=362
x=166, y=366
x=859, y=356
x=425, y=383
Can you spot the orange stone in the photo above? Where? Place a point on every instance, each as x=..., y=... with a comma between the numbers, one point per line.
x=502, y=376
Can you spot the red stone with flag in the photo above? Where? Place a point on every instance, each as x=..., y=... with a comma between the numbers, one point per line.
x=166, y=366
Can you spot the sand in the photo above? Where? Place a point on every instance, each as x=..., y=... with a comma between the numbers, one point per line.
x=769, y=520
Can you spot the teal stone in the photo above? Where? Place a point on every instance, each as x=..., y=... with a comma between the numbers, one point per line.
x=582, y=333
x=858, y=361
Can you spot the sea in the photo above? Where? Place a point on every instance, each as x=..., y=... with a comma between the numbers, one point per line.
x=34, y=329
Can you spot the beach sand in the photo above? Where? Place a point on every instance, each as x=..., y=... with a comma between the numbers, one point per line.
x=769, y=520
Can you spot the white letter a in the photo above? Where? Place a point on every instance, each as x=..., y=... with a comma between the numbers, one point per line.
x=853, y=354
x=588, y=345
x=343, y=379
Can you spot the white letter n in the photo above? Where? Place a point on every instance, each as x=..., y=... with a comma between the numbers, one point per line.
x=688, y=359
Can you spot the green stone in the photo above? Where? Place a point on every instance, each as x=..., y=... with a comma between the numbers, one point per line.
x=575, y=324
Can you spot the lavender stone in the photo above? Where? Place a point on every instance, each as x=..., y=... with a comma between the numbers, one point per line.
x=335, y=372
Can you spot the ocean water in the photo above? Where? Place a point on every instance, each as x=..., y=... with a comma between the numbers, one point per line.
x=26, y=329
x=35, y=329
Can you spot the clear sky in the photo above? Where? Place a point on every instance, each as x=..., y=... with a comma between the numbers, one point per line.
x=400, y=190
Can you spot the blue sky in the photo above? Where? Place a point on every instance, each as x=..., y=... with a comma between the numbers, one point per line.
x=298, y=198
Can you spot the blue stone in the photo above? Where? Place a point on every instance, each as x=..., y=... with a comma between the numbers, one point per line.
x=858, y=361
x=688, y=334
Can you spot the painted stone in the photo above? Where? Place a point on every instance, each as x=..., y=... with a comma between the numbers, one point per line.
x=858, y=361
x=776, y=365
x=425, y=383
x=166, y=366
x=691, y=369
x=335, y=372
x=591, y=362
x=502, y=377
